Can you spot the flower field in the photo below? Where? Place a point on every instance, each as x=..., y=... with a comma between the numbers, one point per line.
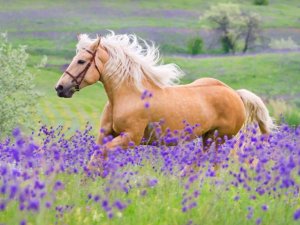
x=251, y=180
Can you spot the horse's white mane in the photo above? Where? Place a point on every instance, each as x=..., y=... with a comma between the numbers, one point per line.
x=133, y=59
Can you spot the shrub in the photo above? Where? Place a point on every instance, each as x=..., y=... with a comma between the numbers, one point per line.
x=195, y=46
x=281, y=44
x=17, y=95
x=261, y=2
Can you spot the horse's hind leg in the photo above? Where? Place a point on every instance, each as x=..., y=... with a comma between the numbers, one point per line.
x=210, y=138
x=207, y=140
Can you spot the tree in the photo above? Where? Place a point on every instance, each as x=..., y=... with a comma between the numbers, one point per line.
x=251, y=29
x=17, y=94
x=234, y=25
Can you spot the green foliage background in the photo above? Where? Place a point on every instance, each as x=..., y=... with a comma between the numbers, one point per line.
x=17, y=88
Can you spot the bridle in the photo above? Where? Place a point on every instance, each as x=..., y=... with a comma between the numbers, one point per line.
x=79, y=78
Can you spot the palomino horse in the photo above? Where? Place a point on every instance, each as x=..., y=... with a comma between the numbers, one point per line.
x=127, y=66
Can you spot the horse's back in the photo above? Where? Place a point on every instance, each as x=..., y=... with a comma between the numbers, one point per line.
x=207, y=81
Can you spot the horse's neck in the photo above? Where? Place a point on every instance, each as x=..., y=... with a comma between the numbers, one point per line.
x=116, y=93
x=125, y=90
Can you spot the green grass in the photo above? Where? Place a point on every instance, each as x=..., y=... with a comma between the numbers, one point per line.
x=263, y=74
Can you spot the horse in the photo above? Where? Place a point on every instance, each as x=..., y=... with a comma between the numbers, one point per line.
x=130, y=67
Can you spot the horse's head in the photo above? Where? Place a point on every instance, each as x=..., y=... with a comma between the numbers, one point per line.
x=85, y=69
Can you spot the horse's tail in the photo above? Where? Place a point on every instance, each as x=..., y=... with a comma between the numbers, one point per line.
x=256, y=111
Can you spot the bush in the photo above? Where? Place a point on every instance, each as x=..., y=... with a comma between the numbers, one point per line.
x=17, y=95
x=195, y=46
x=283, y=44
x=261, y=2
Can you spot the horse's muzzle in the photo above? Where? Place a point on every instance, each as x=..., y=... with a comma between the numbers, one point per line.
x=64, y=92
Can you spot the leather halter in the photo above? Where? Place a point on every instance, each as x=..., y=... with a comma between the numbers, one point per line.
x=79, y=78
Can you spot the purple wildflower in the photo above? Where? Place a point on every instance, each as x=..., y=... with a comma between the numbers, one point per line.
x=58, y=186
x=96, y=198
x=16, y=132
x=152, y=182
x=258, y=221
x=2, y=206
x=13, y=191
x=144, y=192
x=110, y=215
x=48, y=205
x=297, y=214
x=34, y=205
x=236, y=198
x=119, y=205
x=23, y=222
x=90, y=196
x=104, y=204
x=250, y=213
x=147, y=105
x=264, y=207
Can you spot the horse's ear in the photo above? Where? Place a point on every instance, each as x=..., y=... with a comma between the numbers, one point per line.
x=78, y=37
x=96, y=44
x=99, y=40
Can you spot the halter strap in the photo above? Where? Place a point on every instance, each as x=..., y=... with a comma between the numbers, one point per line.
x=79, y=78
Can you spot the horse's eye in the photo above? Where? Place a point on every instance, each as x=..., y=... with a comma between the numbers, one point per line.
x=80, y=61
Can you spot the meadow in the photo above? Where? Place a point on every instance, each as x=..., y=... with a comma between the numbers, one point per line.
x=43, y=176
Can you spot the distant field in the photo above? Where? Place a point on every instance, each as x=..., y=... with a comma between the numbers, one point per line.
x=269, y=75
x=51, y=28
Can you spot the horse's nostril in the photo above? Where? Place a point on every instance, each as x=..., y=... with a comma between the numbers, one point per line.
x=59, y=88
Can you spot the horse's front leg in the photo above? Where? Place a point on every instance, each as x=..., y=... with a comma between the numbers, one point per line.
x=97, y=161
x=106, y=123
